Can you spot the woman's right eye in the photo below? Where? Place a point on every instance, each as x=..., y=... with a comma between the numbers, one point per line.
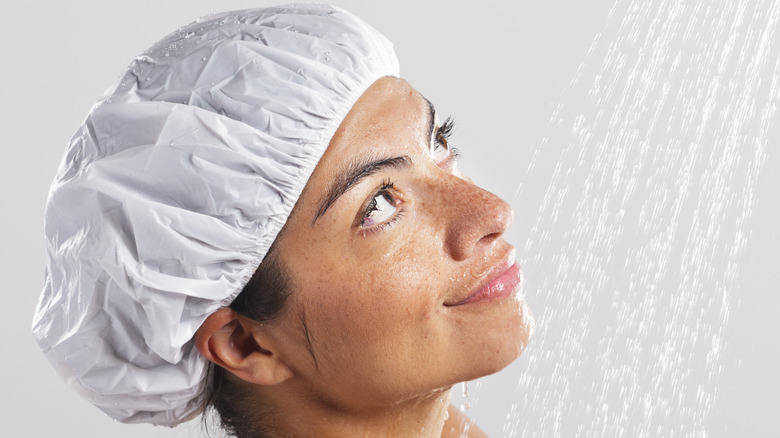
x=380, y=209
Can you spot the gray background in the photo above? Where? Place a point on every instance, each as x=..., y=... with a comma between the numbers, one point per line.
x=501, y=69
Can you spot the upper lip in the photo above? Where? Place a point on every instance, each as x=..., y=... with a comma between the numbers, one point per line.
x=490, y=273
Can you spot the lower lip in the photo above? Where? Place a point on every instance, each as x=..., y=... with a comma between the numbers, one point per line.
x=499, y=288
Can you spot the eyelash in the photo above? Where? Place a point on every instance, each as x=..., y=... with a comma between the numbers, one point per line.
x=386, y=189
x=442, y=137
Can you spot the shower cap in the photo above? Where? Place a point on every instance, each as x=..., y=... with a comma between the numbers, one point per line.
x=174, y=188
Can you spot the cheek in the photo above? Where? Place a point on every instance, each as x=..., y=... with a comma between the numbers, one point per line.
x=387, y=297
x=404, y=270
x=390, y=291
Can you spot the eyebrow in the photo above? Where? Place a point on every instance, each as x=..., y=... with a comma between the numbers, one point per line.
x=431, y=118
x=356, y=173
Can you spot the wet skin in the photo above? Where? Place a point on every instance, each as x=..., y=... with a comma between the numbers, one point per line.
x=376, y=293
x=401, y=284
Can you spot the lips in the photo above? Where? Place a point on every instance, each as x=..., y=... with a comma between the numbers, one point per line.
x=503, y=280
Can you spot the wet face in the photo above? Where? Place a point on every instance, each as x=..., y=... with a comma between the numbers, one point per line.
x=402, y=284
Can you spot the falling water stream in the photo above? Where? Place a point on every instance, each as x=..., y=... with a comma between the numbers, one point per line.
x=633, y=264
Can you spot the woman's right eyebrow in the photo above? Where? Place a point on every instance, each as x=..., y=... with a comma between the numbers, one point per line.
x=356, y=173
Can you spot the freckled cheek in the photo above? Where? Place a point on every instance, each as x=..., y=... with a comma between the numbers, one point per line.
x=384, y=302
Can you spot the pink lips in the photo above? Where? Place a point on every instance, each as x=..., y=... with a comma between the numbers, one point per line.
x=500, y=287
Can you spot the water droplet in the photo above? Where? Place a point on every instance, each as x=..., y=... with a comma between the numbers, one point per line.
x=204, y=58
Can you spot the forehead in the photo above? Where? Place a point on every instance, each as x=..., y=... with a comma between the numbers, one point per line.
x=389, y=119
x=389, y=109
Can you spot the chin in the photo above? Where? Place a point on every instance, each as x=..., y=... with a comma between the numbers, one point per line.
x=523, y=327
x=504, y=343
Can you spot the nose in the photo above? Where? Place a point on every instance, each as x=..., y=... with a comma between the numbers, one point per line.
x=477, y=218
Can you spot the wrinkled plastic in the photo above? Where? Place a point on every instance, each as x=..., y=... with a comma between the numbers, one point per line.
x=174, y=188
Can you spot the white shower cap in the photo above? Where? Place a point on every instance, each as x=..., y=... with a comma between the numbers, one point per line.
x=176, y=185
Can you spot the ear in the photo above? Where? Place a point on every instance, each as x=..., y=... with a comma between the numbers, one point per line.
x=241, y=346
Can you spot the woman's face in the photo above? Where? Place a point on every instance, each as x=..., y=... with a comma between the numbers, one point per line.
x=401, y=281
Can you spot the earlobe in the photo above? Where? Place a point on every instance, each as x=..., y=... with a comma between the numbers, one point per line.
x=240, y=346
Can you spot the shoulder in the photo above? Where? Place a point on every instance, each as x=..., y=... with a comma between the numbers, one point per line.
x=457, y=423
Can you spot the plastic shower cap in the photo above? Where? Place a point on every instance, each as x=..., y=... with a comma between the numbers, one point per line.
x=176, y=185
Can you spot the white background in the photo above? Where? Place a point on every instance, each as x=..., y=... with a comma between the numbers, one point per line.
x=498, y=67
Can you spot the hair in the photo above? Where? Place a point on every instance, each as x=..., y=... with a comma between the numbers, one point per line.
x=262, y=299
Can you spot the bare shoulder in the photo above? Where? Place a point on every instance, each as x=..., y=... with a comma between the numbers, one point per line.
x=459, y=425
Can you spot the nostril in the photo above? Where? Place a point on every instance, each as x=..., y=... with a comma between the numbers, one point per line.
x=489, y=238
x=492, y=236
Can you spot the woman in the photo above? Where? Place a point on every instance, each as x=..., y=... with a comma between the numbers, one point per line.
x=281, y=136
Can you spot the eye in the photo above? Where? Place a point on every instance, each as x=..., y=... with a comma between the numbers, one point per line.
x=380, y=208
x=441, y=152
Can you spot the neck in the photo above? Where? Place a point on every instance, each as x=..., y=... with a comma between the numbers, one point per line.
x=423, y=416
